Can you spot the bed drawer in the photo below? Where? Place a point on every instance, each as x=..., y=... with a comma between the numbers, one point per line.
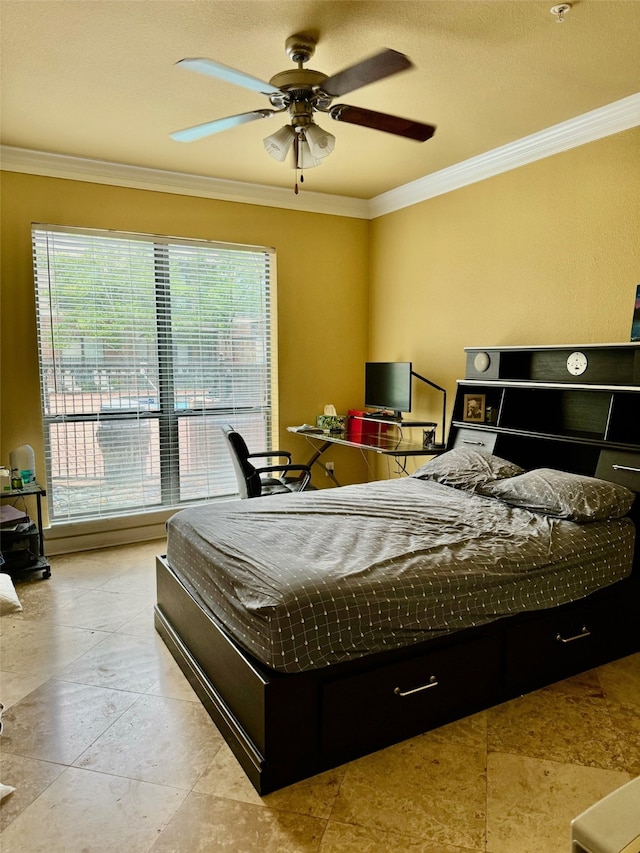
x=374, y=709
x=554, y=646
x=620, y=466
x=475, y=439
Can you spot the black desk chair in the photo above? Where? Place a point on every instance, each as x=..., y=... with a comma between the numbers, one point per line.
x=266, y=480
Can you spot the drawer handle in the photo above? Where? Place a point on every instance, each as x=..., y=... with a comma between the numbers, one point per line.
x=468, y=441
x=584, y=633
x=626, y=468
x=433, y=682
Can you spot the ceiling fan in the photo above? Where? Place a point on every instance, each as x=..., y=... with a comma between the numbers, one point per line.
x=303, y=92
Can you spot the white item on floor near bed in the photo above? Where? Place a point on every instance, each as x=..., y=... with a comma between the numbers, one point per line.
x=9, y=601
x=5, y=790
x=612, y=825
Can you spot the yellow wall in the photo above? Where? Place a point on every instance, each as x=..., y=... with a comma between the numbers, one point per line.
x=545, y=254
x=548, y=253
x=322, y=272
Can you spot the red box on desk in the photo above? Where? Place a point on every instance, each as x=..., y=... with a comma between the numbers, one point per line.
x=360, y=430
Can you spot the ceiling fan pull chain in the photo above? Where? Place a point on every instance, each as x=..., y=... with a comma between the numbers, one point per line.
x=297, y=154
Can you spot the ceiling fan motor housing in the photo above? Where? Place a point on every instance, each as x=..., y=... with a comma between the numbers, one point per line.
x=301, y=112
x=298, y=78
x=300, y=91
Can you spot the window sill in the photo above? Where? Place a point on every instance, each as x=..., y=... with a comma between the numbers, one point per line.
x=68, y=537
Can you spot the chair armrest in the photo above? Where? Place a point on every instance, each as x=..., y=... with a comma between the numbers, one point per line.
x=273, y=453
x=285, y=468
x=305, y=472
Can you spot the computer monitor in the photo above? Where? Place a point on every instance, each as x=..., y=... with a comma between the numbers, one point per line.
x=387, y=386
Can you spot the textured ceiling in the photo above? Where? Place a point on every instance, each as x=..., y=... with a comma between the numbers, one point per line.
x=96, y=79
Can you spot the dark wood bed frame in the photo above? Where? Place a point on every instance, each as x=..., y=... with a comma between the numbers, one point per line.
x=287, y=727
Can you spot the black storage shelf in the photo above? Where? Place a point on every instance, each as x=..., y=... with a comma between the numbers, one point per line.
x=607, y=364
x=570, y=420
x=557, y=412
x=624, y=425
x=21, y=542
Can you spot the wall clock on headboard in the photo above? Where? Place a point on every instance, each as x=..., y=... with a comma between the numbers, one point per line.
x=577, y=363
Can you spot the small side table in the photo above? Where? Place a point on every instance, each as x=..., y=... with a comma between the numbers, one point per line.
x=612, y=825
x=37, y=491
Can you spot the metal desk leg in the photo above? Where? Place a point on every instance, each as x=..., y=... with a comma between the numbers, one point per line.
x=46, y=572
x=316, y=456
x=39, y=508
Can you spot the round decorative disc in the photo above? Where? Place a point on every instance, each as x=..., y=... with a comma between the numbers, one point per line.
x=481, y=362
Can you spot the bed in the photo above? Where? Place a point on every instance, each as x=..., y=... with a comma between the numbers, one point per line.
x=319, y=627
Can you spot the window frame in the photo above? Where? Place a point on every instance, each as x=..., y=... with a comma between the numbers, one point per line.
x=168, y=415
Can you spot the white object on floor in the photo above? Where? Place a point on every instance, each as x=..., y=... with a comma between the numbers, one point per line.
x=9, y=601
x=612, y=825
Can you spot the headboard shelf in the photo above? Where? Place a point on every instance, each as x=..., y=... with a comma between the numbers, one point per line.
x=606, y=364
x=513, y=407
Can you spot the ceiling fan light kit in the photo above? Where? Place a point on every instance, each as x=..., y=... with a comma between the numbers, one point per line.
x=302, y=92
x=313, y=145
x=303, y=156
x=279, y=143
x=321, y=143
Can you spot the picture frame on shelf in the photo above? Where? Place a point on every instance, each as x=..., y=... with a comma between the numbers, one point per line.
x=474, y=408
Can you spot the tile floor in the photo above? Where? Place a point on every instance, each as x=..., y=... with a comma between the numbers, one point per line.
x=110, y=750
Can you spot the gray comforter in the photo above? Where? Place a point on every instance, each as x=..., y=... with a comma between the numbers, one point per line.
x=308, y=580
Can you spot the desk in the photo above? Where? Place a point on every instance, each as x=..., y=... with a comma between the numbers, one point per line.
x=384, y=443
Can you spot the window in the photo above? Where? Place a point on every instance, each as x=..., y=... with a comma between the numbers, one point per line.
x=147, y=345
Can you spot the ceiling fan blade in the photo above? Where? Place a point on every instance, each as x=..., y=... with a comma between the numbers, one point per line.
x=381, y=121
x=223, y=72
x=376, y=67
x=190, y=134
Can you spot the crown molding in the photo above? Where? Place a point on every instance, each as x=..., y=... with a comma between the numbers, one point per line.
x=178, y=183
x=605, y=121
x=616, y=117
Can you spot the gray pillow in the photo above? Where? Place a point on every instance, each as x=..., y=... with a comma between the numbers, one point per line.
x=558, y=493
x=467, y=469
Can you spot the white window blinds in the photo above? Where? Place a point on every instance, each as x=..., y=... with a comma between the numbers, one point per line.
x=147, y=345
